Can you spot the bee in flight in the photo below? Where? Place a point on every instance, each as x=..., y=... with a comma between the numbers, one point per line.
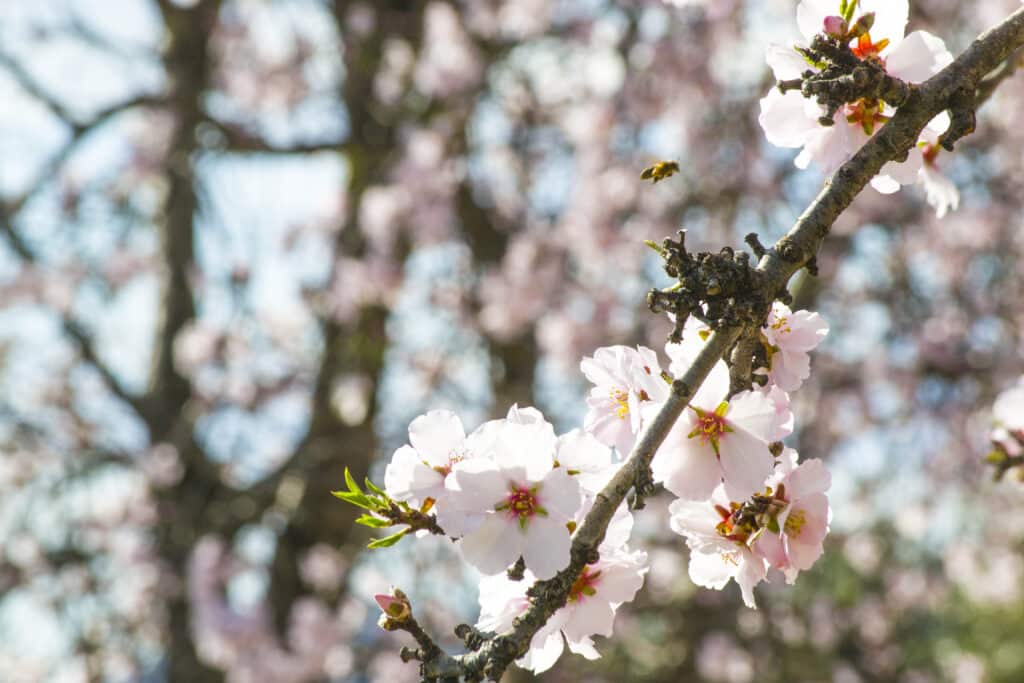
x=660, y=171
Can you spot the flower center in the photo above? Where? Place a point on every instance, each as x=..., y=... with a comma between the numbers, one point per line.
x=522, y=503
x=781, y=324
x=795, y=523
x=865, y=47
x=453, y=457
x=584, y=585
x=622, y=398
x=711, y=425
x=866, y=113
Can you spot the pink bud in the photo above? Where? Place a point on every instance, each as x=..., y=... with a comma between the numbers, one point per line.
x=835, y=26
x=394, y=606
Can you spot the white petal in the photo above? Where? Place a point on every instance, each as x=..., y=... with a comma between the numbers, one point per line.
x=687, y=466
x=584, y=647
x=546, y=647
x=694, y=519
x=714, y=389
x=710, y=569
x=619, y=583
x=399, y=472
x=810, y=16
x=890, y=18
x=920, y=56
x=494, y=545
x=884, y=184
x=784, y=118
x=752, y=572
x=437, y=435
x=591, y=615
x=546, y=550
x=785, y=62
x=559, y=494
x=746, y=464
x=480, y=485
x=755, y=413
x=529, y=446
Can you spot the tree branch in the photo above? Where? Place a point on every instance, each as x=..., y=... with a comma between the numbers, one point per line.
x=787, y=256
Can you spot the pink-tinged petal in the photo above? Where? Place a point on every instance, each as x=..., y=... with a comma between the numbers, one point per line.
x=785, y=419
x=546, y=647
x=785, y=62
x=494, y=545
x=454, y=520
x=790, y=369
x=687, y=466
x=810, y=16
x=786, y=119
x=584, y=647
x=559, y=494
x=746, y=464
x=809, y=329
x=590, y=616
x=546, y=550
x=755, y=413
x=710, y=568
x=619, y=583
x=770, y=547
x=810, y=477
x=437, y=435
x=920, y=56
x=890, y=18
x=752, y=572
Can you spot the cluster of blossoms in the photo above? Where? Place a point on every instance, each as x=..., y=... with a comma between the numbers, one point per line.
x=874, y=31
x=512, y=493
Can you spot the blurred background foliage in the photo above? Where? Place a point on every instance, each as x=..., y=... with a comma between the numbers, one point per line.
x=244, y=242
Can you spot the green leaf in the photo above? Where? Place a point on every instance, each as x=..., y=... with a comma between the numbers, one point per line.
x=388, y=541
x=374, y=488
x=357, y=499
x=374, y=522
x=352, y=485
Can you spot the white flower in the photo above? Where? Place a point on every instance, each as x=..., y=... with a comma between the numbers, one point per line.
x=515, y=503
x=791, y=120
x=791, y=336
x=417, y=472
x=624, y=379
x=718, y=548
x=715, y=440
x=799, y=519
x=590, y=610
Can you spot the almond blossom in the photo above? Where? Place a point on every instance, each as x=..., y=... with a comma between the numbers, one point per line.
x=791, y=120
x=417, y=472
x=940, y=191
x=590, y=610
x=718, y=545
x=625, y=379
x=790, y=337
x=797, y=518
x=717, y=440
x=514, y=502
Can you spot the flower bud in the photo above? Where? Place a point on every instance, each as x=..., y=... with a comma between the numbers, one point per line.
x=862, y=25
x=836, y=26
x=395, y=606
